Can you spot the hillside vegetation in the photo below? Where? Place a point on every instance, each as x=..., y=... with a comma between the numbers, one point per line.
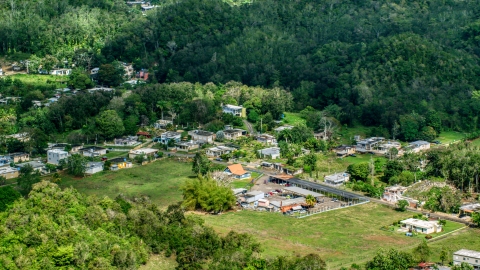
x=378, y=61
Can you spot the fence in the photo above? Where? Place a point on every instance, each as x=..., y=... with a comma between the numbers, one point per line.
x=326, y=209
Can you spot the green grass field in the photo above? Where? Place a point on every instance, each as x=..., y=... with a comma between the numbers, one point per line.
x=340, y=237
x=467, y=238
x=293, y=119
x=159, y=180
x=448, y=137
x=44, y=80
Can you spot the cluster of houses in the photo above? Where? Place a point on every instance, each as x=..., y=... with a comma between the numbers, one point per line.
x=379, y=146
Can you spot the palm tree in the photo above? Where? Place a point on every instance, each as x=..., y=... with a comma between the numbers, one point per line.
x=310, y=200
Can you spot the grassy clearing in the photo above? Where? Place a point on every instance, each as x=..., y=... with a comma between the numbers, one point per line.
x=448, y=137
x=341, y=237
x=44, y=80
x=159, y=180
x=159, y=262
x=293, y=119
x=467, y=238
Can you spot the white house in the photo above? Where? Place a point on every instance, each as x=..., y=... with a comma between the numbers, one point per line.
x=61, y=72
x=467, y=256
x=187, y=146
x=393, y=194
x=167, y=136
x=202, y=136
x=233, y=134
x=418, y=146
x=336, y=179
x=142, y=151
x=282, y=128
x=235, y=110
x=162, y=123
x=267, y=139
x=54, y=156
x=94, y=167
x=368, y=144
x=254, y=196
x=93, y=151
x=421, y=226
x=272, y=152
x=127, y=141
x=219, y=150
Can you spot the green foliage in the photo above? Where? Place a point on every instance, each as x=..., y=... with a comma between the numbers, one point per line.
x=476, y=218
x=201, y=164
x=390, y=260
x=8, y=195
x=76, y=165
x=422, y=252
x=110, y=124
x=359, y=171
x=206, y=194
x=80, y=79
x=26, y=179
x=402, y=205
x=443, y=199
x=463, y=266
x=111, y=74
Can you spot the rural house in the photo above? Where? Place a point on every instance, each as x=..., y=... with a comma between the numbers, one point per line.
x=282, y=128
x=421, y=226
x=94, y=167
x=19, y=157
x=272, y=153
x=8, y=172
x=93, y=151
x=219, y=150
x=167, y=136
x=418, y=146
x=393, y=194
x=187, y=146
x=142, y=151
x=162, y=124
x=54, y=156
x=336, y=179
x=126, y=141
x=470, y=257
x=36, y=165
x=267, y=139
x=237, y=171
x=344, y=150
x=202, y=136
x=233, y=134
x=235, y=110
x=368, y=144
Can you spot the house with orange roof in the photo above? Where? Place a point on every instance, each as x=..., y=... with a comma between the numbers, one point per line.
x=237, y=171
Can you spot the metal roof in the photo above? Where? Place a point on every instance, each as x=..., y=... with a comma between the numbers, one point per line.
x=468, y=253
x=325, y=188
x=303, y=192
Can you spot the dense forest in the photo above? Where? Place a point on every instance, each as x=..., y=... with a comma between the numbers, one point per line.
x=378, y=61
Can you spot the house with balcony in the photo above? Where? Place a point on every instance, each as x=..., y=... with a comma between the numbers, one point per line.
x=202, y=136
x=234, y=133
x=218, y=151
x=369, y=144
x=235, y=110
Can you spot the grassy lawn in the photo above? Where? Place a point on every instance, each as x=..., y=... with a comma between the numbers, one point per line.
x=36, y=79
x=159, y=180
x=293, y=119
x=467, y=239
x=448, y=137
x=341, y=237
x=242, y=183
x=159, y=262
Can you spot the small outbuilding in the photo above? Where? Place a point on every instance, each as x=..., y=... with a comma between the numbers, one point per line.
x=421, y=226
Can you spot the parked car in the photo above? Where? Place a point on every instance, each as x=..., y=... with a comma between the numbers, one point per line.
x=219, y=159
x=353, y=155
x=437, y=142
x=278, y=190
x=302, y=211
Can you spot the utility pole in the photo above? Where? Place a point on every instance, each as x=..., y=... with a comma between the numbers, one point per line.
x=372, y=170
x=261, y=126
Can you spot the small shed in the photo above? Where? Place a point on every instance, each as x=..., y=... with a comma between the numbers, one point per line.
x=254, y=196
